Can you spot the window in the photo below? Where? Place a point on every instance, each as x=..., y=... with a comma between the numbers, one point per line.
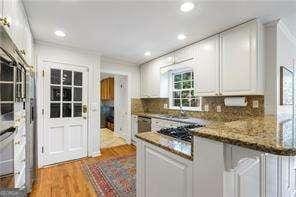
x=182, y=91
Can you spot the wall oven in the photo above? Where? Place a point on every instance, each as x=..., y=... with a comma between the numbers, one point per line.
x=17, y=125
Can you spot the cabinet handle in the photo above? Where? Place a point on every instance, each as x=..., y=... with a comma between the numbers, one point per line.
x=17, y=173
x=23, y=51
x=17, y=142
x=5, y=21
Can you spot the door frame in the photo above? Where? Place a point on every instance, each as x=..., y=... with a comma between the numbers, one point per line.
x=40, y=87
x=129, y=100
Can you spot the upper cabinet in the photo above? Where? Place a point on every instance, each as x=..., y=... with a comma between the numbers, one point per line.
x=240, y=64
x=154, y=84
x=14, y=20
x=207, y=67
x=107, y=89
x=227, y=64
x=184, y=54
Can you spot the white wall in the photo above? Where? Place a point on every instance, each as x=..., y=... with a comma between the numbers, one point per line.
x=121, y=67
x=55, y=53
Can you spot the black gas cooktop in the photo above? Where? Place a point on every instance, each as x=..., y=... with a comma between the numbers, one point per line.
x=182, y=133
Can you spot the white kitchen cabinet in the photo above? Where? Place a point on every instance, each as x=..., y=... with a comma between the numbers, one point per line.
x=206, y=71
x=184, y=54
x=166, y=60
x=162, y=173
x=154, y=84
x=240, y=65
x=18, y=28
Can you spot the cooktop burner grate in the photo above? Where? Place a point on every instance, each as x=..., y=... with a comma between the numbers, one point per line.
x=182, y=133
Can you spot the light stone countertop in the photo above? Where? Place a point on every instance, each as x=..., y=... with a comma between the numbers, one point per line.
x=179, y=147
x=267, y=134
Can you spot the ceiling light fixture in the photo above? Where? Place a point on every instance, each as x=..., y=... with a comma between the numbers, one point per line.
x=181, y=37
x=187, y=6
x=147, y=53
x=60, y=33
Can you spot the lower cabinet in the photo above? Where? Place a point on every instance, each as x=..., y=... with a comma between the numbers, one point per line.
x=134, y=127
x=161, y=173
x=20, y=156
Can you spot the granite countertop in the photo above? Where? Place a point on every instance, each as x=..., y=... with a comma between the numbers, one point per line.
x=188, y=120
x=266, y=134
x=181, y=148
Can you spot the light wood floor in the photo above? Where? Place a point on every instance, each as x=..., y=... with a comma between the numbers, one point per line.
x=110, y=139
x=68, y=179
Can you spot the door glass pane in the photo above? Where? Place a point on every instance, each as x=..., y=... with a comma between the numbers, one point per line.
x=67, y=77
x=18, y=75
x=177, y=78
x=77, y=109
x=7, y=109
x=67, y=94
x=67, y=109
x=78, y=78
x=55, y=109
x=77, y=94
x=6, y=92
x=55, y=93
x=6, y=73
x=55, y=76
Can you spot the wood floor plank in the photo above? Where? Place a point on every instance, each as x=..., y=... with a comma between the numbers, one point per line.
x=68, y=179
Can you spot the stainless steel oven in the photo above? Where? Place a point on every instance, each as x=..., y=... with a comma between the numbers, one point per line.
x=144, y=124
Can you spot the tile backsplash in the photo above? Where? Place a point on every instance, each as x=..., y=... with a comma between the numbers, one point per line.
x=156, y=105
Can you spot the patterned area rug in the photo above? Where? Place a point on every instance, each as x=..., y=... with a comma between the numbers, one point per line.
x=113, y=177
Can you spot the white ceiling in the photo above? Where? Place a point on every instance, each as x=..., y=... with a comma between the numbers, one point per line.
x=126, y=29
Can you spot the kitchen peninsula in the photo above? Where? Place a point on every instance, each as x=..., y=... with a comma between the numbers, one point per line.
x=249, y=157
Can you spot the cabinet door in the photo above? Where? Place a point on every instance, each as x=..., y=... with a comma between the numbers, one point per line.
x=10, y=11
x=144, y=80
x=238, y=71
x=185, y=54
x=166, y=60
x=134, y=126
x=150, y=80
x=1, y=8
x=206, y=73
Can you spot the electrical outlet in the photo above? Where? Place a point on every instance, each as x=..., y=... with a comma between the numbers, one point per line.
x=165, y=106
x=255, y=104
x=206, y=107
x=218, y=108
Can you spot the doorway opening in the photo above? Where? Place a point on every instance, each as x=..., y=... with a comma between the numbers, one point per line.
x=114, y=110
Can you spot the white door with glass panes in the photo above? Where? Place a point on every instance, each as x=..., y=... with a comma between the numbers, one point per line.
x=65, y=117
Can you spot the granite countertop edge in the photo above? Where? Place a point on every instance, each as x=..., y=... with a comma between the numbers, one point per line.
x=249, y=145
x=179, y=153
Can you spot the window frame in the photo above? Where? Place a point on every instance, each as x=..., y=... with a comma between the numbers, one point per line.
x=171, y=89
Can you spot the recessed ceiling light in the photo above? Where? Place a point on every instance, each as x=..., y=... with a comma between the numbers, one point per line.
x=187, y=6
x=60, y=33
x=147, y=53
x=181, y=37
